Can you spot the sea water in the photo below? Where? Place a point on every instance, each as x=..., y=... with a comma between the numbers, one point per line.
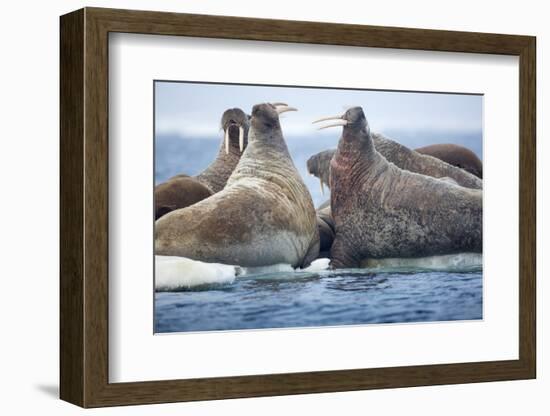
x=195, y=296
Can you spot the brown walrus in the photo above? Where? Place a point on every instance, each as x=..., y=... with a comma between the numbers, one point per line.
x=181, y=190
x=455, y=155
x=319, y=166
x=178, y=192
x=383, y=211
x=263, y=216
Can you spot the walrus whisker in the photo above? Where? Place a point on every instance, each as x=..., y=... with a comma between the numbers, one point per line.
x=241, y=138
x=335, y=124
x=281, y=110
x=226, y=139
x=327, y=118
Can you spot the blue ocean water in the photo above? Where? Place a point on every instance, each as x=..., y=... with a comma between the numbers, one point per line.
x=327, y=298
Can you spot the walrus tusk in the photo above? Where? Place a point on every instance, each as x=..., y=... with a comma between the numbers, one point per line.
x=335, y=124
x=284, y=109
x=327, y=118
x=241, y=138
x=322, y=188
x=226, y=139
x=278, y=104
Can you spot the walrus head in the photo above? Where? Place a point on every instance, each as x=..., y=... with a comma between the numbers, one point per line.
x=318, y=165
x=235, y=124
x=355, y=148
x=353, y=121
x=265, y=117
x=356, y=136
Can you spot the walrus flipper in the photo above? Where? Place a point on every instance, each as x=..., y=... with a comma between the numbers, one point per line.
x=342, y=255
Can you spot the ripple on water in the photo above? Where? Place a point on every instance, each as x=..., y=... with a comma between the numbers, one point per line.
x=323, y=298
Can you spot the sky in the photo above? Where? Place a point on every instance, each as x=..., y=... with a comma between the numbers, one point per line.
x=194, y=109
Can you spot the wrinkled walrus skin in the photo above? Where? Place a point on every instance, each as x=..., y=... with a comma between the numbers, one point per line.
x=455, y=155
x=181, y=191
x=402, y=157
x=264, y=215
x=319, y=166
x=382, y=211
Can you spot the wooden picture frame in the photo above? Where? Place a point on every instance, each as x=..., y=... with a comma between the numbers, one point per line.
x=84, y=207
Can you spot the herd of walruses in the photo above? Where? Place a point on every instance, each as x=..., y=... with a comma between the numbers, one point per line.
x=250, y=207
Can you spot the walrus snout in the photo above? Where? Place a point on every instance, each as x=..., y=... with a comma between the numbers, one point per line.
x=234, y=129
x=313, y=165
x=318, y=165
x=355, y=126
x=235, y=124
x=313, y=169
x=234, y=115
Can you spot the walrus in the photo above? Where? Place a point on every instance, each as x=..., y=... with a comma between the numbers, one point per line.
x=319, y=166
x=263, y=216
x=182, y=190
x=455, y=155
x=383, y=211
x=402, y=157
x=325, y=225
x=178, y=192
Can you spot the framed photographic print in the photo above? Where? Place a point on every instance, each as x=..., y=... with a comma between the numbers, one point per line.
x=256, y=207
